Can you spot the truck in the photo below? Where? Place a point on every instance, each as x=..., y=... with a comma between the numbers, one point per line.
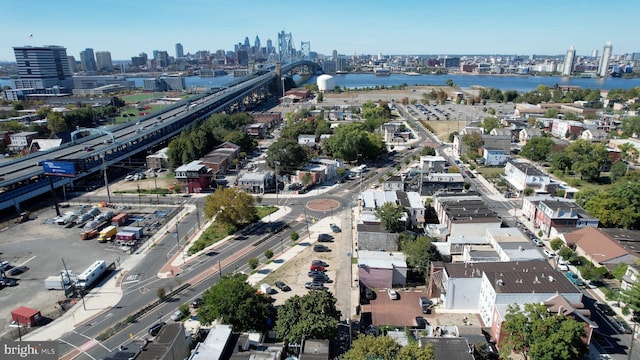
x=92, y=274
x=107, y=234
x=55, y=282
x=120, y=219
x=86, y=235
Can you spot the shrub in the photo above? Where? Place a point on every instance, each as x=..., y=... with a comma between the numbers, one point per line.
x=253, y=263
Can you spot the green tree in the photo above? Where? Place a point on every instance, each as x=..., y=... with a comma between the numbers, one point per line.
x=556, y=244
x=615, y=206
x=235, y=302
x=413, y=351
x=536, y=333
x=537, y=148
x=313, y=316
x=268, y=253
x=161, y=293
x=230, y=206
x=389, y=215
x=618, y=170
x=56, y=122
x=490, y=123
x=253, y=263
x=241, y=138
x=351, y=140
x=619, y=271
x=631, y=299
x=473, y=142
x=589, y=158
x=427, y=150
x=372, y=347
x=288, y=154
x=420, y=252
x=294, y=236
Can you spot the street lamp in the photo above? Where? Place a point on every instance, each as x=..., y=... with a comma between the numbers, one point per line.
x=282, y=78
x=106, y=181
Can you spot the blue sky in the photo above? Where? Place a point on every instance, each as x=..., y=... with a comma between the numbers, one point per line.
x=126, y=28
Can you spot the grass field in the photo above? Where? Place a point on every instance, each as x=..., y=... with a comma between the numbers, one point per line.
x=444, y=128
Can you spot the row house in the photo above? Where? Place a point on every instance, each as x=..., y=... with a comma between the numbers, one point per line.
x=158, y=160
x=382, y=269
x=412, y=203
x=433, y=163
x=437, y=182
x=566, y=129
x=496, y=244
x=194, y=177
x=494, y=157
x=269, y=118
x=521, y=175
x=595, y=135
x=20, y=141
x=462, y=215
x=221, y=158
x=554, y=217
x=257, y=182
x=331, y=166
x=528, y=134
x=258, y=130
x=615, y=144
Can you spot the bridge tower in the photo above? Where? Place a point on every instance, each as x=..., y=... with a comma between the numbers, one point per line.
x=285, y=47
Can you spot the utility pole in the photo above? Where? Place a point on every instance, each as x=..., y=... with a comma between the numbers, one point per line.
x=106, y=180
x=277, y=185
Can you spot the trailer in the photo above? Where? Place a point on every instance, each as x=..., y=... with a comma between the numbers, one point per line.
x=107, y=234
x=135, y=229
x=120, y=219
x=55, y=283
x=26, y=316
x=92, y=274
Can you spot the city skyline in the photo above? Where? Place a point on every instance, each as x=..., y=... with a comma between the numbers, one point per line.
x=126, y=29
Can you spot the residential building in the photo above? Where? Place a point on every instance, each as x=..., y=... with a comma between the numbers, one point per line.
x=306, y=139
x=257, y=182
x=462, y=214
x=522, y=175
x=482, y=287
x=447, y=346
x=554, y=217
x=271, y=119
x=595, y=135
x=393, y=183
x=437, y=182
x=432, y=163
x=195, y=177
x=332, y=166
x=171, y=343
x=158, y=160
x=529, y=133
x=179, y=51
x=258, y=130
x=381, y=269
x=603, y=67
x=88, y=61
x=21, y=140
x=630, y=277
x=373, y=237
x=566, y=129
x=494, y=157
x=569, y=59
x=103, y=61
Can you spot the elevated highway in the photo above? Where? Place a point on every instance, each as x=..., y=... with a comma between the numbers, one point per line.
x=24, y=178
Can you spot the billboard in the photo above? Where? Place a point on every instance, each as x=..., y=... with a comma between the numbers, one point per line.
x=59, y=168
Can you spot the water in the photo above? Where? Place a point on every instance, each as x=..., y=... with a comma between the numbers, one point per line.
x=518, y=83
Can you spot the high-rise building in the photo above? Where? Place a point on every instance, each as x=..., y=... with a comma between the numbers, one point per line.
x=269, y=46
x=73, y=66
x=103, y=61
x=179, y=51
x=155, y=54
x=256, y=43
x=42, y=67
x=568, y=61
x=594, y=53
x=247, y=44
x=604, y=60
x=88, y=60
x=163, y=59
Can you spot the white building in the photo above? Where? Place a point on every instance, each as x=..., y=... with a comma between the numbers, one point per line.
x=521, y=175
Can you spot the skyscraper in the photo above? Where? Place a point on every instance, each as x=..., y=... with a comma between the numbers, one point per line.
x=247, y=44
x=179, y=51
x=568, y=61
x=269, y=46
x=604, y=60
x=42, y=67
x=256, y=43
x=88, y=60
x=103, y=61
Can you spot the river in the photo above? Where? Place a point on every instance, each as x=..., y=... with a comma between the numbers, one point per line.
x=518, y=83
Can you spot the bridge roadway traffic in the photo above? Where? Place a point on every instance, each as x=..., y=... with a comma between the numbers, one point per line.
x=23, y=179
x=201, y=273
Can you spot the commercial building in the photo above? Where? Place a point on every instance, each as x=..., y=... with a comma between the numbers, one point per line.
x=603, y=67
x=88, y=60
x=569, y=59
x=42, y=68
x=103, y=61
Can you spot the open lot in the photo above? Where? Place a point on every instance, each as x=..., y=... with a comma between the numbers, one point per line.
x=46, y=248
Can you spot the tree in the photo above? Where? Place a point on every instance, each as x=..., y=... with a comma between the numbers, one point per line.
x=389, y=215
x=352, y=140
x=161, y=294
x=235, y=302
x=288, y=154
x=294, y=236
x=253, y=263
x=384, y=347
x=56, y=122
x=588, y=159
x=536, y=333
x=427, y=150
x=313, y=316
x=268, y=253
x=618, y=170
x=537, y=148
x=230, y=206
x=490, y=123
x=420, y=252
x=556, y=244
x=473, y=142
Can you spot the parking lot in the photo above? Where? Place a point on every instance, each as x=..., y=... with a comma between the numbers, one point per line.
x=44, y=249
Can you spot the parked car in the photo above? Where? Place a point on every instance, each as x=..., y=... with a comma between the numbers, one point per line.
x=605, y=309
x=177, y=316
x=369, y=294
x=574, y=278
x=317, y=268
x=8, y=282
x=393, y=295
x=155, y=329
x=325, y=238
x=563, y=267
x=4, y=266
x=421, y=323
x=320, y=248
x=282, y=286
x=548, y=253
x=319, y=263
x=538, y=242
x=321, y=277
x=196, y=303
x=335, y=228
x=314, y=285
x=17, y=270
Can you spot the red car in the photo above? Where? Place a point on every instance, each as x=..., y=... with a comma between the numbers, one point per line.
x=317, y=268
